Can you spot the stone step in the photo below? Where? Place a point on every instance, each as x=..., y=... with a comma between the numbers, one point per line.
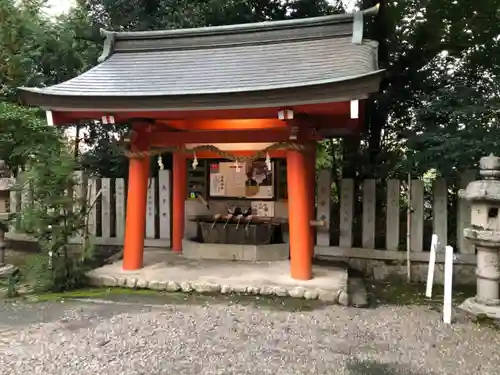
x=358, y=297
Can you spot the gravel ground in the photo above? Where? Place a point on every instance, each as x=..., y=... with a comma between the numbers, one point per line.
x=219, y=339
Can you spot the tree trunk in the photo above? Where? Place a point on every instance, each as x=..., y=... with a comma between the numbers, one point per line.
x=350, y=156
x=376, y=110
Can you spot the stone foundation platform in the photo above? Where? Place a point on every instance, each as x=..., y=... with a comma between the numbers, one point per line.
x=164, y=270
x=251, y=253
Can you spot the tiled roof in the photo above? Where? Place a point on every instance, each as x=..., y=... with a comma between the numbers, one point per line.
x=226, y=60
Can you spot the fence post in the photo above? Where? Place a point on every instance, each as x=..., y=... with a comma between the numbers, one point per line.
x=120, y=207
x=346, y=212
x=440, y=212
x=417, y=216
x=106, y=208
x=392, y=214
x=92, y=195
x=369, y=208
x=323, y=211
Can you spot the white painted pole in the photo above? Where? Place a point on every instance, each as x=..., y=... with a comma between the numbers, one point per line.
x=432, y=265
x=408, y=232
x=448, y=282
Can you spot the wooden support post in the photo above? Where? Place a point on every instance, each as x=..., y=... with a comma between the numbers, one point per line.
x=135, y=225
x=299, y=199
x=179, y=194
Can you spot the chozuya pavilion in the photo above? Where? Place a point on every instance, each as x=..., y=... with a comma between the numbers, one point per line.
x=266, y=90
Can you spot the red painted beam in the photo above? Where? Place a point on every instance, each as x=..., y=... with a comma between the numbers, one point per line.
x=122, y=115
x=275, y=154
x=158, y=139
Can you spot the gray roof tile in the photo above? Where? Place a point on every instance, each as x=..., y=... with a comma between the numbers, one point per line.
x=223, y=60
x=224, y=70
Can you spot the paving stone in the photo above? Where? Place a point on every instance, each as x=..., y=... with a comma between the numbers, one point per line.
x=154, y=285
x=108, y=281
x=327, y=296
x=253, y=290
x=173, y=286
x=186, y=287
x=142, y=284
x=266, y=291
x=225, y=289
x=296, y=292
x=357, y=292
x=202, y=287
x=343, y=298
x=162, y=285
x=239, y=289
x=280, y=292
x=131, y=282
x=311, y=294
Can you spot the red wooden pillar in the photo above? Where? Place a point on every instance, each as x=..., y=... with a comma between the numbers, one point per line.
x=299, y=208
x=135, y=225
x=311, y=158
x=179, y=195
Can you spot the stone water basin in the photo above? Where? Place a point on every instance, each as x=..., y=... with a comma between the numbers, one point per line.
x=227, y=230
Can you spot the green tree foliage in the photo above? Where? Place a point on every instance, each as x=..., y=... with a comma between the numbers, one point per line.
x=23, y=133
x=35, y=51
x=166, y=14
x=442, y=58
x=53, y=218
x=439, y=96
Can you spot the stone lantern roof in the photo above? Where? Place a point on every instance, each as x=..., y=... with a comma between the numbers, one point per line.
x=487, y=189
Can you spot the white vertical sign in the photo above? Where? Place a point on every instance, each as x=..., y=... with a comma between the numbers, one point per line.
x=448, y=282
x=432, y=265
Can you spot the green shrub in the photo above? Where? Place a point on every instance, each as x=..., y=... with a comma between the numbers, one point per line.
x=53, y=218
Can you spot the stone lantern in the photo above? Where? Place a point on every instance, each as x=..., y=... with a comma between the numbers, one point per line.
x=484, y=233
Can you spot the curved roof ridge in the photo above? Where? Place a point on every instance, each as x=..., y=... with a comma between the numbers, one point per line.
x=336, y=24
x=240, y=28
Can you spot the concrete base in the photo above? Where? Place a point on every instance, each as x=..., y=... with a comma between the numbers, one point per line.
x=252, y=253
x=164, y=270
x=473, y=307
x=396, y=270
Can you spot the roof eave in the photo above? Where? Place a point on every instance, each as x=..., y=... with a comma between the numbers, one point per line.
x=354, y=88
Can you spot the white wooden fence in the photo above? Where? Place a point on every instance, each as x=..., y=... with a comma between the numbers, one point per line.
x=363, y=223
x=375, y=215
x=107, y=217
